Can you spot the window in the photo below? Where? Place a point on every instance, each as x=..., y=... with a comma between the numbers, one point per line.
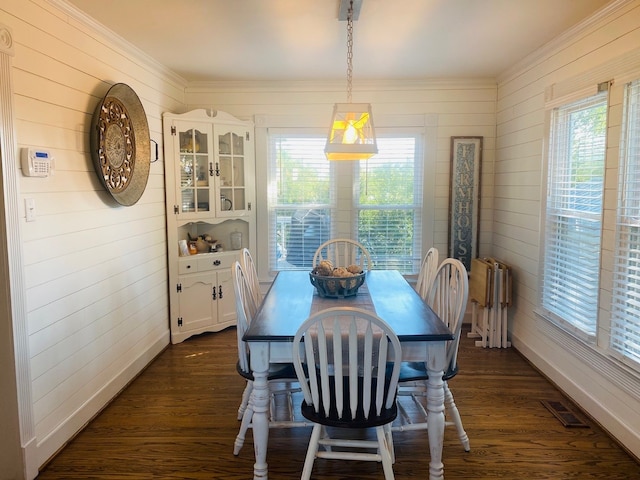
x=301, y=199
x=573, y=220
x=381, y=208
x=389, y=196
x=625, y=308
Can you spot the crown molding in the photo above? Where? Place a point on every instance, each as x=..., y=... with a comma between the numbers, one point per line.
x=126, y=48
x=560, y=41
x=338, y=86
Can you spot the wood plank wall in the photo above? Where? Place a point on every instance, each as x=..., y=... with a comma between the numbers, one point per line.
x=95, y=272
x=602, y=49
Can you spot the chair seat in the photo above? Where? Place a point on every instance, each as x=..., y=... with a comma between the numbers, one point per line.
x=387, y=415
x=277, y=371
x=416, y=371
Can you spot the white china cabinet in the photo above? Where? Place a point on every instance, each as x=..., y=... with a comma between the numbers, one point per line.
x=210, y=188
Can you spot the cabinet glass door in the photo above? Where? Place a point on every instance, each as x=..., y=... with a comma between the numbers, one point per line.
x=231, y=158
x=194, y=170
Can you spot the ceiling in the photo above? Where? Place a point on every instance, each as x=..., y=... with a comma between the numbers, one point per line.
x=285, y=40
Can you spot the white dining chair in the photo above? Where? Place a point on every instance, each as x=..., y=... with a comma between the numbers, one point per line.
x=448, y=297
x=343, y=252
x=284, y=374
x=347, y=361
x=428, y=269
x=251, y=272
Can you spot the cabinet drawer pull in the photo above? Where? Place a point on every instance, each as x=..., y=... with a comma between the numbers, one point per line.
x=217, y=262
x=219, y=291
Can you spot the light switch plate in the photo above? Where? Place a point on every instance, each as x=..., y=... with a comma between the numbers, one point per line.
x=30, y=209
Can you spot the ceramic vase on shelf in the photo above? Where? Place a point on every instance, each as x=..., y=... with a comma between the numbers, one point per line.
x=202, y=246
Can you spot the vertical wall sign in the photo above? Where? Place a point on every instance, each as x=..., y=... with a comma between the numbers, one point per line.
x=464, y=198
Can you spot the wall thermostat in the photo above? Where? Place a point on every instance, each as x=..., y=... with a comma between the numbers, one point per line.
x=36, y=162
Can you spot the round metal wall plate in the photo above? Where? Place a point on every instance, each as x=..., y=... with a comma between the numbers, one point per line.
x=120, y=145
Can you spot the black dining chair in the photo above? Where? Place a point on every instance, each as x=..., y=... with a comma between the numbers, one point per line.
x=428, y=269
x=448, y=297
x=343, y=252
x=249, y=268
x=282, y=375
x=340, y=357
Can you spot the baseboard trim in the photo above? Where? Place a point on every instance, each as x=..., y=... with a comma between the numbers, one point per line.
x=628, y=439
x=30, y=459
x=48, y=447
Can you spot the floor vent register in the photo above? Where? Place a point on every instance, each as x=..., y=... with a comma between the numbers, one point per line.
x=564, y=414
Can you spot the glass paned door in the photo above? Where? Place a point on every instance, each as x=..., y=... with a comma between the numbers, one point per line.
x=194, y=171
x=231, y=158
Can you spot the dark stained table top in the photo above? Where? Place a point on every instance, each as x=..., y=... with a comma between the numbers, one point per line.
x=292, y=299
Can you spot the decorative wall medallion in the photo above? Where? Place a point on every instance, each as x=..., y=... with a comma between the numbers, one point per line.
x=120, y=145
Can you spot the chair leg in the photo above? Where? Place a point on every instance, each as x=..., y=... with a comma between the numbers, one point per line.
x=311, y=452
x=324, y=435
x=384, y=449
x=245, y=399
x=389, y=436
x=451, y=407
x=247, y=416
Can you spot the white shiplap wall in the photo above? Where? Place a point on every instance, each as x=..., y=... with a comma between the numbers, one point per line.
x=452, y=108
x=599, y=50
x=95, y=273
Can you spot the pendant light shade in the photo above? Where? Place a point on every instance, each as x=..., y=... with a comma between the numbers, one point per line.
x=351, y=134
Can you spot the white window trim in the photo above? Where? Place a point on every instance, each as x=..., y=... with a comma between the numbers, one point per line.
x=539, y=310
x=427, y=122
x=601, y=362
x=595, y=352
x=628, y=361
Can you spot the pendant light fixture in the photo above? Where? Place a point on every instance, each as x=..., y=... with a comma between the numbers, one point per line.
x=351, y=135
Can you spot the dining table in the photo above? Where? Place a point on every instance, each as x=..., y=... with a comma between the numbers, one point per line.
x=291, y=299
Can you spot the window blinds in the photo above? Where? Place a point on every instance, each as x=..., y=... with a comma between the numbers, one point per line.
x=570, y=278
x=389, y=204
x=301, y=199
x=625, y=309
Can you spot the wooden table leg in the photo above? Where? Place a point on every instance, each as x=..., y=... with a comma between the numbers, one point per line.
x=435, y=409
x=260, y=401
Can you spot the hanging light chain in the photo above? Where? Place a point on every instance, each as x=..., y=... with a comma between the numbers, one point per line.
x=349, y=50
x=351, y=133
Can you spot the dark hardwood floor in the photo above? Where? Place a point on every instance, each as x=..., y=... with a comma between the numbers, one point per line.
x=177, y=420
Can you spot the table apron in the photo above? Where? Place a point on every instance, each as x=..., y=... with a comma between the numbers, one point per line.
x=416, y=351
